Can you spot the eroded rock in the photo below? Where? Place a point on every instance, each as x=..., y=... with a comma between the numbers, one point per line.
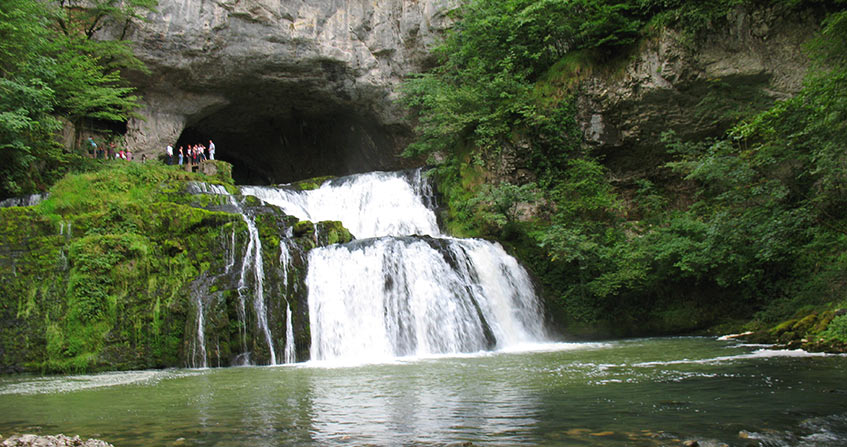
x=697, y=90
x=287, y=89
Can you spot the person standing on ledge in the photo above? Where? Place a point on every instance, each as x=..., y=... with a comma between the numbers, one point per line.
x=211, y=150
x=93, y=147
x=170, y=151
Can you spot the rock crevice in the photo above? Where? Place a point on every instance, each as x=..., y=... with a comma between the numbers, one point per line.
x=696, y=89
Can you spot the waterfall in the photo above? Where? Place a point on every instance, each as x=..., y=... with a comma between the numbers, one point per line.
x=392, y=297
x=401, y=289
x=290, y=357
x=285, y=246
x=369, y=205
x=200, y=343
x=230, y=251
x=253, y=257
x=404, y=289
x=252, y=267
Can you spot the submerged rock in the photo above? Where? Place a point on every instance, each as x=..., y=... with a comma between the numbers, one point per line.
x=59, y=440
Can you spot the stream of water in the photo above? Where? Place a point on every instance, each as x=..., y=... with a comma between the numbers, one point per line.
x=649, y=392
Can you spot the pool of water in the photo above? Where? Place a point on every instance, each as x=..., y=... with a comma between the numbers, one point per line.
x=623, y=393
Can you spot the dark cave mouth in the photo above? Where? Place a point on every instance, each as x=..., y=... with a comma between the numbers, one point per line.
x=267, y=144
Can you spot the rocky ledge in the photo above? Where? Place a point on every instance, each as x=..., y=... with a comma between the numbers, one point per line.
x=59, y=440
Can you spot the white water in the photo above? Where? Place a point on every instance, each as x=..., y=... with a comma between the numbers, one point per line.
x=200, y=344
x=252, y=260
x=285, y=264
x=393, y=293
x=369, y=205
x=253, y=257
x=290, y=356
x=397, y=297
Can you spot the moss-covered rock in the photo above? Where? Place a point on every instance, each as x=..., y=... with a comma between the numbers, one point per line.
x=218, y=170
x=304, y=228
x=311, y=184
x=817, y=331
x=332, y=232
x=99, y=276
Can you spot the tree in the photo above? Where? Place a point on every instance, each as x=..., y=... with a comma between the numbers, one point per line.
x=54, y=65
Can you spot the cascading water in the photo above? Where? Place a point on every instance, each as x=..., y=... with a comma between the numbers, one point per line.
x=285, y=265
x=253, y=257
x=290, y=356
x=252, y=262
x=394, y=297
x=369, y=205
x=405, y=290
x=199, y=359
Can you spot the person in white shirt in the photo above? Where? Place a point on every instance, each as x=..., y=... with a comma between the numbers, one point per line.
x=170, y=151
x=211, y=150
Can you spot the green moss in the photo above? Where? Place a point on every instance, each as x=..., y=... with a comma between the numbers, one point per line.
x=333, y=232
x=783, y=327
x=312, y=183
x=97, y=276
x=304, y=228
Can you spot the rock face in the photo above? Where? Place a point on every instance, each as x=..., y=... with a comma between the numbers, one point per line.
x=697, y=89
x=288, y=89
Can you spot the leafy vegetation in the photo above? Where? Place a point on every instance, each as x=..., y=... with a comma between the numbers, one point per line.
x=56, y=67
x=762, y=231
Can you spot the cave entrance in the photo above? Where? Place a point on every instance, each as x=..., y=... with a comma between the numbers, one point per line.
x=274, y=136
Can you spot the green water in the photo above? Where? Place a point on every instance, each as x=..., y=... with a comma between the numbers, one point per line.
x=627, y=393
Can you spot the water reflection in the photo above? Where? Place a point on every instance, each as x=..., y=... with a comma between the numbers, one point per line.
x=431, y=402
x=641, y=392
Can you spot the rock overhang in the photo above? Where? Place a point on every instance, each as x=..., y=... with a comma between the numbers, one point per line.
x=287, y=89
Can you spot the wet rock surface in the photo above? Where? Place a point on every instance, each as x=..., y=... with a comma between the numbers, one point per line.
x=51, y=441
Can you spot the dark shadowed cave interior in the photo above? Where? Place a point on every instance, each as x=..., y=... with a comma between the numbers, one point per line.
x=274, y=135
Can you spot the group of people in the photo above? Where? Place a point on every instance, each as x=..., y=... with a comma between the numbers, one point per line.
x=193, y=154
x=111, y=151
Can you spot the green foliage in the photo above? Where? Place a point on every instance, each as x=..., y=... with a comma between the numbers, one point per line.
x=837, y=329
x=485, y=83
x=52, y=67
x=762, y=224
x=484, y=86
x=500, y=204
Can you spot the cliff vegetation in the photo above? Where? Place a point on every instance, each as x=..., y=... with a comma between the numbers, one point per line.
x=744, y=230
x=58, y=70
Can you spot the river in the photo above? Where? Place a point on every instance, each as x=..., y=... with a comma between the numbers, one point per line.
x=641, y=392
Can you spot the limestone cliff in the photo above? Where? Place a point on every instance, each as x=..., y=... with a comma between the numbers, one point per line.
x=671, y=81
x=289, y=89
x=294, y=89
x=694, y=88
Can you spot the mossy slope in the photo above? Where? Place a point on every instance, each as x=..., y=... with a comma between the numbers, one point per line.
x=111, y=271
